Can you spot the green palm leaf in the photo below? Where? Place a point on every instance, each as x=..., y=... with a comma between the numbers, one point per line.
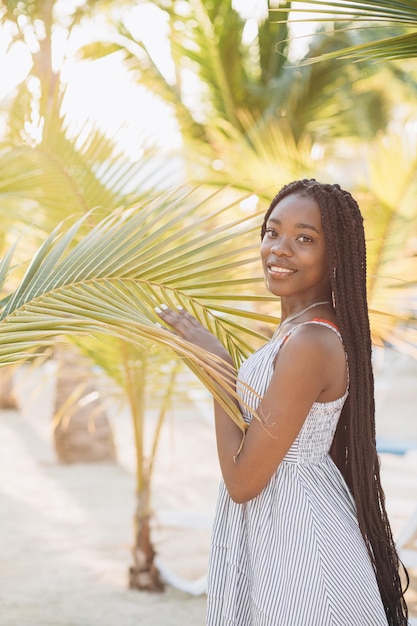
x=402, y=13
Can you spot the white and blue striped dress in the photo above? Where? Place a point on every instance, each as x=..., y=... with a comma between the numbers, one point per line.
x=294, y=555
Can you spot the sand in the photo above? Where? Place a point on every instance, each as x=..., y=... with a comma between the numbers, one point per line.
x=66, y=530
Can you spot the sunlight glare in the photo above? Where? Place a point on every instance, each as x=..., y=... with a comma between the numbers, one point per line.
x=15, y=62
x=104, y=91
x=250, y=204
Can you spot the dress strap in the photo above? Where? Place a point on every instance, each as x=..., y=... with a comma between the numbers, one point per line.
x=326, y=322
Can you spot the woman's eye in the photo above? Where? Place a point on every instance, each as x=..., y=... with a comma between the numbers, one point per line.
x=305, y=239
x=270, y=232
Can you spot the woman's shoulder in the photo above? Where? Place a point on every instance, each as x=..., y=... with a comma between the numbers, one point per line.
x=315, y=349
x=315, y=332
x=318, y=343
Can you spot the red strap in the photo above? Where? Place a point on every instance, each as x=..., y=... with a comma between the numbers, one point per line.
x=321, y=319
x=315, y=319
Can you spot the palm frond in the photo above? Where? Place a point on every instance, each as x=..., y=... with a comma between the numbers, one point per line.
x=110, y=281
x=402, y=13
x=387, y=49
x=260, y=158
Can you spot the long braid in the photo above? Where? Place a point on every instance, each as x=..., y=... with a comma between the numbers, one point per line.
x=354, y=444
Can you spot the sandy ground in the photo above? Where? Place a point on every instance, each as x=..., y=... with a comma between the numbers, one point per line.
x=66, y=530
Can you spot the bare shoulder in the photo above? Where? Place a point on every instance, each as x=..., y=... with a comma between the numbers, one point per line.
x=315, y=336
x=316, y=351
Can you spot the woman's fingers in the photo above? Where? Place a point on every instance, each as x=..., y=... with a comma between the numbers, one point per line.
x=190, y=329
x=190, y=318
x=180, y=320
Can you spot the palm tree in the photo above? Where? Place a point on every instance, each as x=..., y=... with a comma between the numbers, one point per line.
x=50, y=175
x=107, y=282
x=36, y=104
x=240, y=86
x=58, y=180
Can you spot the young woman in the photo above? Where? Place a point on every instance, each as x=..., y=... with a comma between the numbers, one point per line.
x=301, y=535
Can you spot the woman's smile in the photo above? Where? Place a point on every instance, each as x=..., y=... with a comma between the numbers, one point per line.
x=279, y=271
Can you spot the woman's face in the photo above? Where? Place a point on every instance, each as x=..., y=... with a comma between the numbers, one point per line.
x=293, y=250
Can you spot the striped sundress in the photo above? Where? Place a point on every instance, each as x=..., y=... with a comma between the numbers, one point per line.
x=294, y=555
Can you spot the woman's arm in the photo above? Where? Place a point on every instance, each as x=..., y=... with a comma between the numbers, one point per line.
x=310, y=366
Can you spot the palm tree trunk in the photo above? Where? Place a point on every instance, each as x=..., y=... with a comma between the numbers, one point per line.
x=82, y=432
x=143, y=574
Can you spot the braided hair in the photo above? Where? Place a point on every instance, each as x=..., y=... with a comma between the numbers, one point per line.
x=354, y=446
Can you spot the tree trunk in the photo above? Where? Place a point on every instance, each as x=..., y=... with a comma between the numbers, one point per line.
x=7, y=397
x=143, y=574
x=82, y=432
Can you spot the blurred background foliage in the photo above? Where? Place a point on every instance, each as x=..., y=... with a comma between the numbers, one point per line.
x=230, y=107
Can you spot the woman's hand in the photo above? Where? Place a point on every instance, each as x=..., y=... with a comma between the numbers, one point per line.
x=191, y=330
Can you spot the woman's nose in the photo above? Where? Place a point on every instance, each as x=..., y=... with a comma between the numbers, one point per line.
x=281, y=248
